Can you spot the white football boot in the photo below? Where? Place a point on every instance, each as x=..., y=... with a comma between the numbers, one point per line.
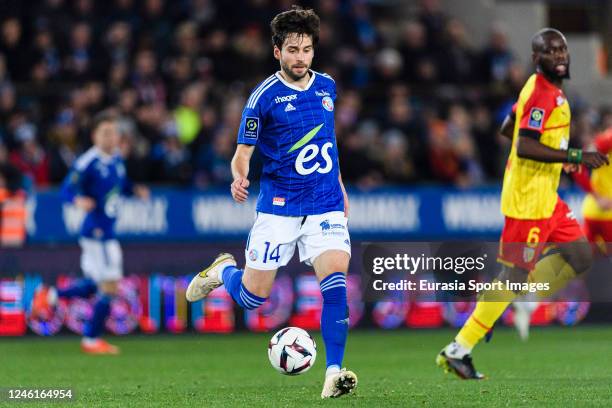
x=339, y=383
x=210, y=278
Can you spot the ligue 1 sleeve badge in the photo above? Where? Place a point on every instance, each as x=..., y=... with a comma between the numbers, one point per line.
x=328, y=103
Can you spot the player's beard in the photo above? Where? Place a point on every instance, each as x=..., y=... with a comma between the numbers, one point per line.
x=294, y=77
x=554, y=75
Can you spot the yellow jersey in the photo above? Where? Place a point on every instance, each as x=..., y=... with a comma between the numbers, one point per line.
x=530, y=187
x=601, y=181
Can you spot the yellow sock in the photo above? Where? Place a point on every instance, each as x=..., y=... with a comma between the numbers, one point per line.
x=553, y=270
x=489, y=308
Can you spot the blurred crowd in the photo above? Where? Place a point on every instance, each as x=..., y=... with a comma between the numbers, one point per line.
x=417, y=102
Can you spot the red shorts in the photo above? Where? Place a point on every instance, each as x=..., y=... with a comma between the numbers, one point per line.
x=600, y=233
x=522, y=241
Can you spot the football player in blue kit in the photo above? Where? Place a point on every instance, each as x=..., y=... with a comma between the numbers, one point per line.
x=94, y=184
x=302, y=201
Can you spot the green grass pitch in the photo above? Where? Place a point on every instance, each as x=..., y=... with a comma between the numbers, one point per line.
x=556, y=367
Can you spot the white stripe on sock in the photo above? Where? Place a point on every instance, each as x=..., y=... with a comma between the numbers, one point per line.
x=339, y=285
x=333, y=281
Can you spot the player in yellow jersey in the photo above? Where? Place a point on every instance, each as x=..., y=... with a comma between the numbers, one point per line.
x=534, y=213
x=597, y=205
x=597, y=226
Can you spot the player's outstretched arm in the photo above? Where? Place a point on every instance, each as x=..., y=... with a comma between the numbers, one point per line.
x=530, y=148
x=240, y=172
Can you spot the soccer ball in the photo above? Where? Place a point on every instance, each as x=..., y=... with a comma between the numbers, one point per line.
x=292, y=351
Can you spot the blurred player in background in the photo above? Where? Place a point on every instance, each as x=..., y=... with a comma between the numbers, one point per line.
x=597, y=205
x=302, y=201
x=94, y=184
x=534, y=213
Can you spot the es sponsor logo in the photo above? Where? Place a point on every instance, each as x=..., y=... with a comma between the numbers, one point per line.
x=305, y=162
x=308, y=154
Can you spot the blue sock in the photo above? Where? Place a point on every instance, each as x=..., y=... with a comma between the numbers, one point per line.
x=334, y=318
x=232, y=279
x=95, y=326
x=81, y=288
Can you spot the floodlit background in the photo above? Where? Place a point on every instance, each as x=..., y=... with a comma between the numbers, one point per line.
x=422, y=88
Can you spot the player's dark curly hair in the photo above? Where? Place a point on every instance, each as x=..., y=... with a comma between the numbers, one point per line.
x=297, y=20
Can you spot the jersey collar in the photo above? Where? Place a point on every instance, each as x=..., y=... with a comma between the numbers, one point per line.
x=547, y=83
x=287, y=84
x=105, y=157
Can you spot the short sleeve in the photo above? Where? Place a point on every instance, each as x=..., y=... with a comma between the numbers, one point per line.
x=535, y=114
x=254, y=112
x=250, y=126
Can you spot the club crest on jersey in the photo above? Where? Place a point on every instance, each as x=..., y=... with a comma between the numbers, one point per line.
x=560, y=100
x=328, y=103
x=536, y=117
x=278, y=201
x=251, y=127
x=528, y=254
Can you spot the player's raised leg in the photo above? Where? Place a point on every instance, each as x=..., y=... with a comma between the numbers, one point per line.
x=210, y=278
x=271, y=245
x=249, y=288
x=46, y=297
x=331, y=268
x=81, y=288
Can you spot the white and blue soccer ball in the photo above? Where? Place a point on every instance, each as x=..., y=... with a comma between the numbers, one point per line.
x=292, y=351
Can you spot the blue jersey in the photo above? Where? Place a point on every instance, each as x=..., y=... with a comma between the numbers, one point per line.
x=102, y=178
x=294, y=130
